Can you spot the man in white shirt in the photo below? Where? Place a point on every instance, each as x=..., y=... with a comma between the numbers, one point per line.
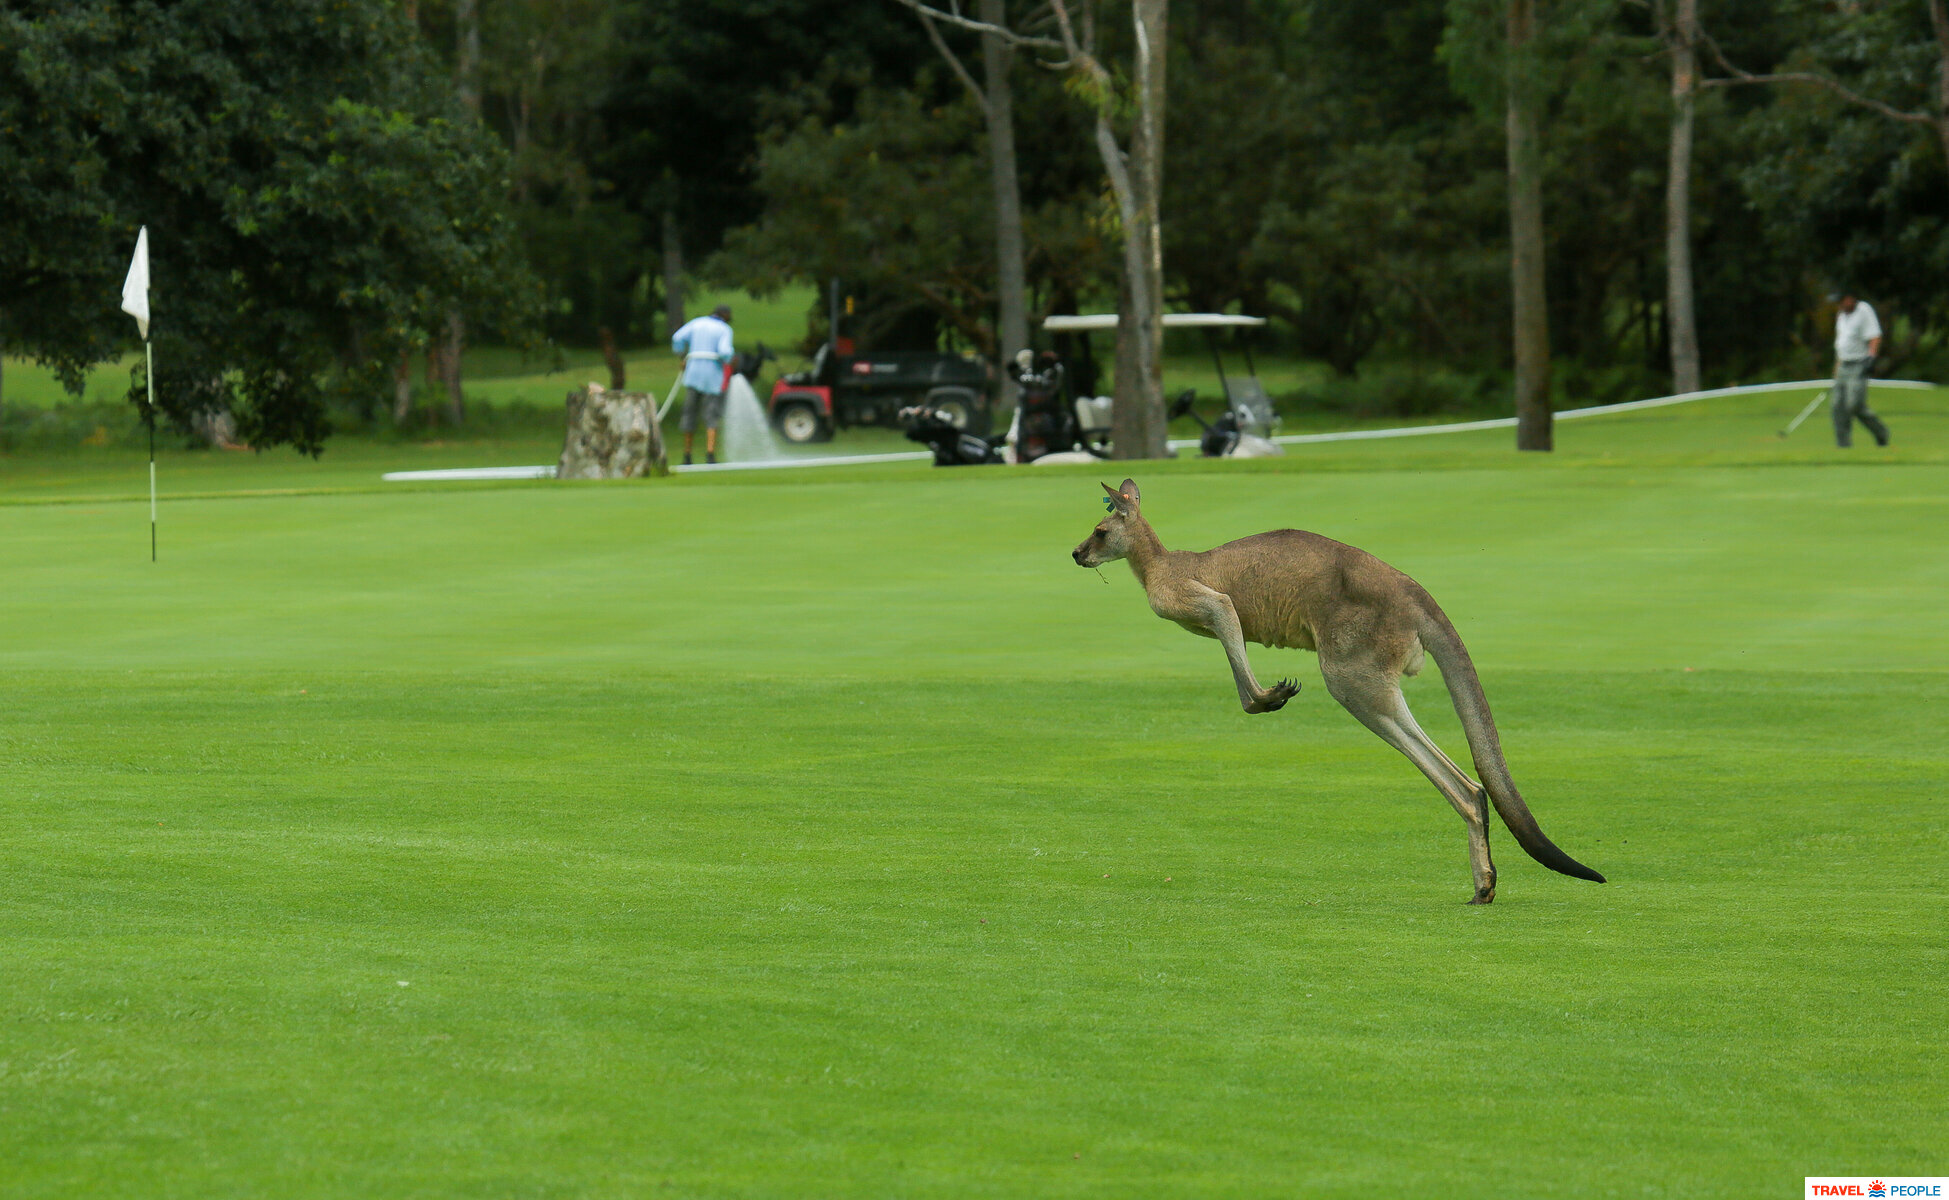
x=705, y=344
x=1857, y=339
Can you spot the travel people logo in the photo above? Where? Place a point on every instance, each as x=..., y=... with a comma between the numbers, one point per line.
x=1877, y=1187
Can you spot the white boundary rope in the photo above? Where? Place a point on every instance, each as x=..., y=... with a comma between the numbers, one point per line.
x=456, y=473
x=830, y=460
x=1356, y=435
x=548, y=472
x=1290, y=439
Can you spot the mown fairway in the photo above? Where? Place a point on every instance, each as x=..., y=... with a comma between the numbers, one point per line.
x=836, y=836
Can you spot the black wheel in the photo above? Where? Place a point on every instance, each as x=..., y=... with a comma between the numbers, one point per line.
x=962, y=408
x=799, y=422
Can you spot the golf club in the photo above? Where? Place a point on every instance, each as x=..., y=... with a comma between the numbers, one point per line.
x=1811, y=405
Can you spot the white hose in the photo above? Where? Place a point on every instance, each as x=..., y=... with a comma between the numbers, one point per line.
x=675, y=387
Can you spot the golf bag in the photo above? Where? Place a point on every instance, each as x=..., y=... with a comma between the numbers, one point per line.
x=1046, y=421
x=952, y=447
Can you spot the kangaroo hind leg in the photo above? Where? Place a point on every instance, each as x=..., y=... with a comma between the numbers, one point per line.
x=1374, y=698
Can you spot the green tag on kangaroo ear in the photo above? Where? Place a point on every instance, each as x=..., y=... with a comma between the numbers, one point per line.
x=1109, y=504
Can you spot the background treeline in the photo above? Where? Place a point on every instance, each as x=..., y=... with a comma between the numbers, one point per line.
x=359, y=182
x=1340, y=168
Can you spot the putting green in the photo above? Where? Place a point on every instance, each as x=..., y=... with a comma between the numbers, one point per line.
x=807, y=834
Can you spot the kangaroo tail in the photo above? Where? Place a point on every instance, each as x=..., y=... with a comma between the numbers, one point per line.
x=1458, y=672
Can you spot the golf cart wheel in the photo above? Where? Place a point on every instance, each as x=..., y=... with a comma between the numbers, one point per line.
x=962, y=408
x=799, y=422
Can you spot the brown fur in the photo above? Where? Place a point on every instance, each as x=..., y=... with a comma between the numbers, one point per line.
x=1370, y=625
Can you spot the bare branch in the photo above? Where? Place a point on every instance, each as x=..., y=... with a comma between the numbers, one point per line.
x=1739, y=77
x=953, y=59
x=1003, y=32
x=1081, y=55
x=1041, y=18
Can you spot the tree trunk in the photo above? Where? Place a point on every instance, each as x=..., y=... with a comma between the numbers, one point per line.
x=1678, y=201
x=673, y=273
x=466, y=80
x=403, y=389
x=1011, y=321
x=1939, y=22
x=1138, y=420
x=450, y=367
x=466, y=55
x=1531, y=315
x=618, y=371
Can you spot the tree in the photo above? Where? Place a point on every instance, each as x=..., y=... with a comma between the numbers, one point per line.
x=1531, y=314
x=1870, y=86
x=1846, y=181
x=894, y=200
x=1896, y=62
x=1375, y=203
x=890, y=201
x=538, y=73
x=1134, y=164
x=1518, y=74
x=314, y=204
x=694, y=88
x=1139, y=422
x=995, y=97
x=1682, y=34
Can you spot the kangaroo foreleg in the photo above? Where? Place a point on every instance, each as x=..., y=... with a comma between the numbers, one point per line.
x=1214, y=611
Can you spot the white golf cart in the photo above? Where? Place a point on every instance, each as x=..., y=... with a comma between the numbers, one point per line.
x=1243, y=430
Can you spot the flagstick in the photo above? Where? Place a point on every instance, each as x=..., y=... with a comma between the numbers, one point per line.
x=149, y=349
x=135, y=302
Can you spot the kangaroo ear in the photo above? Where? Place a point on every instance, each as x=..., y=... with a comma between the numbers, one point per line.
x=1129, y=489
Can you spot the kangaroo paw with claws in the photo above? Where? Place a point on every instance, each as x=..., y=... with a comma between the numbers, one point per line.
x=1276, y=696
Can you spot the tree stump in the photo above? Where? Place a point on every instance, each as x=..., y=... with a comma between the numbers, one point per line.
x=611, y=435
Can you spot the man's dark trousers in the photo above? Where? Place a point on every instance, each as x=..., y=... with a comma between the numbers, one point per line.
x=1851, y=402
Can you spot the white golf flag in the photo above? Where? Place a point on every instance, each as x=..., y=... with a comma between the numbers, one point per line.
x=135, y=289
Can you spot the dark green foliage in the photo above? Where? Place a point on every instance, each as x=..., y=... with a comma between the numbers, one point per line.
x=314, y=205
x=1857, y=199
x=319, y=201
x=896, y=203
x=695, y=82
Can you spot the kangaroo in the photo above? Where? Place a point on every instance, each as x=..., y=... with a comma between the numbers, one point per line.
x=1370, y=625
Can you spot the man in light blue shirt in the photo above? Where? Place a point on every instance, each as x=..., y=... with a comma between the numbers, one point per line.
x=705, y=344
x=1857, y=339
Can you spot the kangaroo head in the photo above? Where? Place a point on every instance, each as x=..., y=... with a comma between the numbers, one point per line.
x=1111, y=539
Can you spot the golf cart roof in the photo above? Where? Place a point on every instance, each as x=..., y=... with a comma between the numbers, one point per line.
x=1091, y=321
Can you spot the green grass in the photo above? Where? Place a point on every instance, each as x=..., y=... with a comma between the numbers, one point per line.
x=1734, y=431
x=831, y=834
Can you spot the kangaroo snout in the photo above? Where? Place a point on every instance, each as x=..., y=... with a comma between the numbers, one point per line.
x=1077, y=554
